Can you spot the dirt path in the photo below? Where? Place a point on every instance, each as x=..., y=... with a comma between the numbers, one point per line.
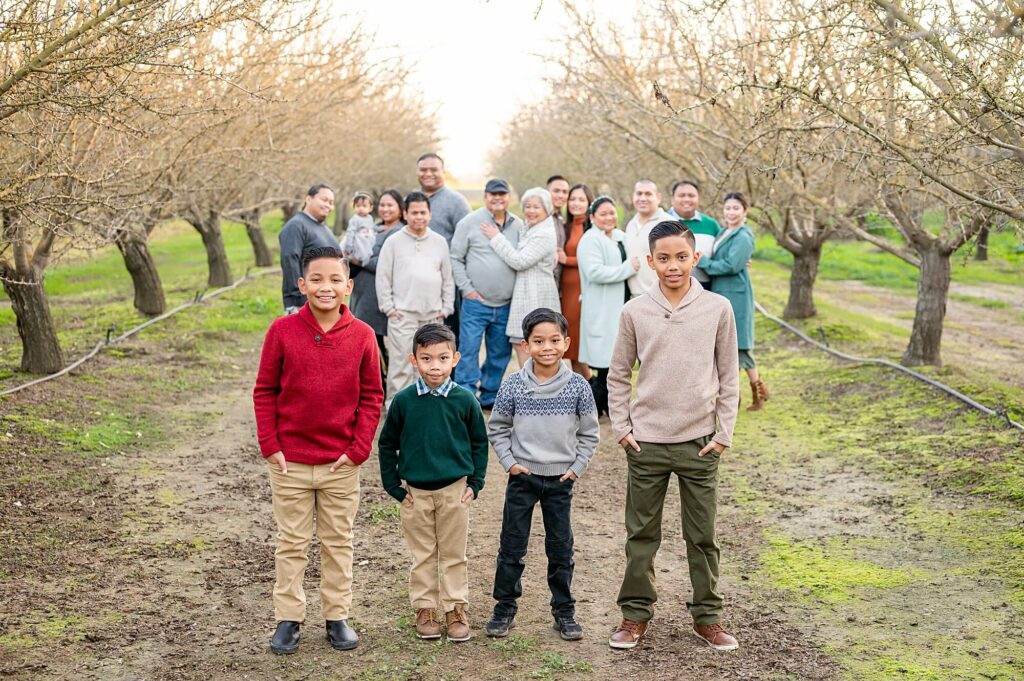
x=190, y=577
x=832, y=568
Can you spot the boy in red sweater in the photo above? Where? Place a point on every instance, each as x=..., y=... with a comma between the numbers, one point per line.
x=318, y=398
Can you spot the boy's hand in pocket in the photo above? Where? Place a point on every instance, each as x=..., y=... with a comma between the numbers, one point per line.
x=518, y=469
x=408, y=496
x=343, y=460
x=630, y=441
x=716, y=446
x=467, y=496
x=277, y=459
x=569, y=475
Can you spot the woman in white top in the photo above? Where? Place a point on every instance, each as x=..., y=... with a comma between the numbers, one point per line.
x=535, y=282
x=604, y=269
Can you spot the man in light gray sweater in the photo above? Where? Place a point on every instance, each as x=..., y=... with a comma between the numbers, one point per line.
x=414, y=287
x=544, y=430
x=486, y=284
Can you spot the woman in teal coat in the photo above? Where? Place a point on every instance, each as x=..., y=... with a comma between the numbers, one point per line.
x=726, y=264
x=604, y=269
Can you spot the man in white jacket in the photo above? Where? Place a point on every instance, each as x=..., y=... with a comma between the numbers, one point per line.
x=647, y=202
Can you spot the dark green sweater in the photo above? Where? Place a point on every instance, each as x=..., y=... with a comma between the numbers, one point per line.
x=430, y=441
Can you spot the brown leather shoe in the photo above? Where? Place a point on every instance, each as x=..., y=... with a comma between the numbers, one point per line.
x=628, y=634
x=715, y=636
x=458, y=625
x=427, y=626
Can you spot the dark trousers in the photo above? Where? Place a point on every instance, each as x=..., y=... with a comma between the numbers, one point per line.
x=522, y=493
x=382, y=349
x=599, y=384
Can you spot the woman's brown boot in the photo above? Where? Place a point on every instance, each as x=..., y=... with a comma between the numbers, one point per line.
x=760, y=393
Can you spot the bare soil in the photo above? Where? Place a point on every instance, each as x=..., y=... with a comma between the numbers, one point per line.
x=183, y=588
x=156, y=561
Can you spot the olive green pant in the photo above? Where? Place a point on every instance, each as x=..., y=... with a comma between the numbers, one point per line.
x=649, y=473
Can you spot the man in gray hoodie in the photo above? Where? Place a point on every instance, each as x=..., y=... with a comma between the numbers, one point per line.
x=486, y=284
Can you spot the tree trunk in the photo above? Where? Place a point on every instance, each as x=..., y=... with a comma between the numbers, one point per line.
x=932, y=291
x=264, y=258
x=981, y=250
x=149, y=292
x=40, y=350
x=801, y=284
x=289, y=209
x=213, y=241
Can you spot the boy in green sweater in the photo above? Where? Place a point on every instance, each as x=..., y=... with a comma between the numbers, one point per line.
x=435, y=439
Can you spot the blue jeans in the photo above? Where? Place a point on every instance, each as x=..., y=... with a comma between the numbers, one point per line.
x=479, y=323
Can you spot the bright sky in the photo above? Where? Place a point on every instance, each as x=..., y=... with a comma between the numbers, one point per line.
x=476, y=61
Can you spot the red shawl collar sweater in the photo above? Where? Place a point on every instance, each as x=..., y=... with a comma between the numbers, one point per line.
x=318, y=394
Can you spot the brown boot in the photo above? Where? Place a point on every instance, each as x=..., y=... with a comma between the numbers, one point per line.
x=458, y=625
x=760, y=392
x=427, y=626
x=628, y=634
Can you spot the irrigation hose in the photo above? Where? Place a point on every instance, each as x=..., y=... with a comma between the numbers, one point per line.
x=892, y=365
x=199, y=297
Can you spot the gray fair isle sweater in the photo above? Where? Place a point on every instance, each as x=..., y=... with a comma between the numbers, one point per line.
x=549, y=427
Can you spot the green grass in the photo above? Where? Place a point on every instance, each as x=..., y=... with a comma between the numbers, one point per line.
x=825, y=573
x=89, y=293
x=179, y=256
x=861, y=261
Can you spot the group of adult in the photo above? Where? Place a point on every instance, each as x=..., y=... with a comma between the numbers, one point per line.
x=483, y=271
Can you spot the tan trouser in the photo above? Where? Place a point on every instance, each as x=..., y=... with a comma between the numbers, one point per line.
x=401, y=373
x=335, y=496
x=435, y=525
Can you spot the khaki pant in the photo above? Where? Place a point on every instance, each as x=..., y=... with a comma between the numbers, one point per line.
x=335, y=497
x=401, y=373
x=435, y=525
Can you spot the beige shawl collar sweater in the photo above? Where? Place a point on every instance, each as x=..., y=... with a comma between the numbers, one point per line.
x=687, y=385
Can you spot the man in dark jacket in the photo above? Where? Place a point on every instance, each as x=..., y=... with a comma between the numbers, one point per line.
x=307, y=229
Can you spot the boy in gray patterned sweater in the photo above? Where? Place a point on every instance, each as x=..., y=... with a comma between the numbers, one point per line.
x=544, y=429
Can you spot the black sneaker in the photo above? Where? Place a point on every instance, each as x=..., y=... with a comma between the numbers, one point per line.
x=568, y=628
x=499, y=625
x=286, y=638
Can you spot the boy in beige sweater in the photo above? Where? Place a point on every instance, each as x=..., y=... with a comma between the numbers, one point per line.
x=682, y=335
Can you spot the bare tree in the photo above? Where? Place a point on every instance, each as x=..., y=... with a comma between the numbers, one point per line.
x=67, y=77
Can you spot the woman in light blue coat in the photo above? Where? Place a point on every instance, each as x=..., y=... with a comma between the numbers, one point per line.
x=604, y=269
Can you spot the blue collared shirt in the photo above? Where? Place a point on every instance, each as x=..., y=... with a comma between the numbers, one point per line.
x=440, y=391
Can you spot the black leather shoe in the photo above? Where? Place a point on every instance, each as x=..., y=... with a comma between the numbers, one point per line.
x=286, y=638
x=568, y=628
x=341, y=636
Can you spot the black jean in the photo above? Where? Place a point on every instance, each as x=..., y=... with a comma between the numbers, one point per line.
x=599, y=384
x=522, y=493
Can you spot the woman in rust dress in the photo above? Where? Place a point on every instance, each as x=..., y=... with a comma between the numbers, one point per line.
x=576, y=223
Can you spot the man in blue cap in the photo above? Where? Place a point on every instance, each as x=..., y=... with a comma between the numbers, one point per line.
x=486, y=284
